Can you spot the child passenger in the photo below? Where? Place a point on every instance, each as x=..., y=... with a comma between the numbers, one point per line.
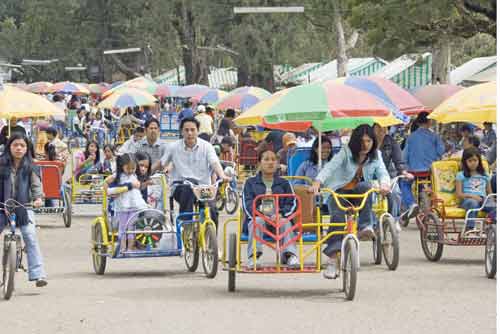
x=267, y=181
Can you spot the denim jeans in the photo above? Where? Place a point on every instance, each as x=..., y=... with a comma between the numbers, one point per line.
x=406, y=192
x=469, y=204
x=290, y=249
x=366, y=216
x=394, y=201
x=34, y=255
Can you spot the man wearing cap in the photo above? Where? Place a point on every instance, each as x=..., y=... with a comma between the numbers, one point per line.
x=206, y=122
x=289, y=142
x=422, y=148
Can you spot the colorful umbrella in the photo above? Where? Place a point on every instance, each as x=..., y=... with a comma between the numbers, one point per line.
x=129, y=97
x=98, y=89
x=325, y=106
x=41, y=87
x=116, y=84
x=191, y=90
x=388, y=91
x=15, y=102
x=142, y=83
x=210, y=96
x=433, y=95
x=476, y=104
x=243, y=98
x=166, y=90
x=67, y=87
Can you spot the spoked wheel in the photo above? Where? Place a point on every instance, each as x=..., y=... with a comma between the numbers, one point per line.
x=232, y=201
x=490, y=254
x=210, y=253
x=431, y=235
x=67, y=208
x=350, y=270
x=390, y=243
x=8, y=270
x=377, y=248
x=191, y=250
x=231, y=282
x=424, y=201
x=148, y=224
x=220, y=201
x=98, y=260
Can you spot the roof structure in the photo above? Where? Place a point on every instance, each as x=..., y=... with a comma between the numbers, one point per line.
x=409, y=71
x=474, y=66
x=355, y=67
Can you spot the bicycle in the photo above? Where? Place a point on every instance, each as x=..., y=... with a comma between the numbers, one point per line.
x=198, y=230
x=227, y=194
x=13, y=248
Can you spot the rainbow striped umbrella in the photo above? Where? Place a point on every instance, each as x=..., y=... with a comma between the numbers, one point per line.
x=98, y=89
x=325, y=106
x=142, y=83
x=129, y=97
x=166, y=90
x=67, y=87
x=210, y=96
x=243, y=98
x=41, y=87
x=191, y=90
x=388, y=91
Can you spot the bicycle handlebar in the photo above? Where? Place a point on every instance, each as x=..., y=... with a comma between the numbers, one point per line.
x=363, y=197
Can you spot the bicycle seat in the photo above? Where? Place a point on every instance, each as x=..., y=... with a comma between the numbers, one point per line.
x=424, y=174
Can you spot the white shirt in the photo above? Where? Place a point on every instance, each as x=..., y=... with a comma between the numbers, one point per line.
x=206, y=123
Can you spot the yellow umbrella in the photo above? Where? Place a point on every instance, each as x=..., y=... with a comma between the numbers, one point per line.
x=15, y=102
x=476, y=104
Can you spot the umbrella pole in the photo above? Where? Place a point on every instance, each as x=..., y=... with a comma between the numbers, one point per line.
x=8, y=133
x=320, y=162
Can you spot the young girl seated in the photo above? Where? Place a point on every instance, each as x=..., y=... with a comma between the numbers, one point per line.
x=268, y=182
x=144, y=172
x=472, y=184
x=128, y=203
x=108, y=165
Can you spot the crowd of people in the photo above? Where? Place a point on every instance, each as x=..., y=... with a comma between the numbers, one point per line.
x=347, y=162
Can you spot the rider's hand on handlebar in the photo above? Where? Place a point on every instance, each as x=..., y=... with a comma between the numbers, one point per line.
x=407, y=175
x=314, y=188
x=136, y=184
x=384, y=189
x=227, y=178
x=37, y=203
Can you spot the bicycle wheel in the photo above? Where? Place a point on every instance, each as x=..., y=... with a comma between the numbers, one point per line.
x=8, y=270
x=67, y=208
x=490, y=253
x=430, y=237
x=210, y=253
x=232, y=201
x=231, y=279
x=98, y=260
x=390, y=245
x=191, y=250
x=377, y=247
x=350, y=270
x=220, y=201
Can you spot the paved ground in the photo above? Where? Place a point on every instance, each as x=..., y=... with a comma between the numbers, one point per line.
x=159, y=296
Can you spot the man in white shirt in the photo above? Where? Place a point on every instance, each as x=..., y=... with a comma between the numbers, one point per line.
x=131, y=144
x=206, y=122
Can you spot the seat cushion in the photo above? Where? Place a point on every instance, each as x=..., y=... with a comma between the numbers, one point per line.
x=459, y=213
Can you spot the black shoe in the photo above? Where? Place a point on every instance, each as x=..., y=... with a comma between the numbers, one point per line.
x=41, y=283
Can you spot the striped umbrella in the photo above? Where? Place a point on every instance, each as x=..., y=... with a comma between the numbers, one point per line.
x=142, y=83
x=165, y=90
x=41, y=87
x=98, y=89
x=67, y=87
x=243, y=98
x=476, y=104
x=129, y=97
x=325, y=106
x=432, y=95
x=191, y=90
x=388, y=91
x=210, y=96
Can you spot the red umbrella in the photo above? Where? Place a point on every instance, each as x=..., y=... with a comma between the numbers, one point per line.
x=433, y=95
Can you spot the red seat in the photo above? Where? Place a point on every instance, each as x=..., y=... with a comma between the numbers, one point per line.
x=51, y=175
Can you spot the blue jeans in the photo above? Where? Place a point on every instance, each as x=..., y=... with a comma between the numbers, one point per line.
x=469, y=204
x=394, y=200
x=366, y=216
x=290, y=249
x=34, y=255
x=406, y=192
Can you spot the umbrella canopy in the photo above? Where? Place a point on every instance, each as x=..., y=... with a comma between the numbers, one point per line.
x=129, y=97
x=210, y=96
x=432, y=95
x=67, y=87
x=388, y=91
x=476, y=104
x=243, y=98
x=141, y=83
x=191, y=90
x=41, y=87
x=98, y=89
x=325, y=106
x=116, y=84
x=166, y=90
x=15, y=102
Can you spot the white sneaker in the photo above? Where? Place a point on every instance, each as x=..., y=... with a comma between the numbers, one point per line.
x=250, y=263
x=366, y=234
x=331, y=270
x=292, y=261
x=412, y=212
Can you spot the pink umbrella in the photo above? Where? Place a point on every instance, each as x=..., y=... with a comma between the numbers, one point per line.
x=433, y=95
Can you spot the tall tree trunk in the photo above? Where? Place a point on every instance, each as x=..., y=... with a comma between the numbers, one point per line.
x=342, y=58
x=441, y=61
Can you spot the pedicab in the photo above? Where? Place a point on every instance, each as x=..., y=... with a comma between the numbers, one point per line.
x=227, y=194
x=57, y=194
x=490, y=250
x=148, y=233
x=439, y=225
x=86, y=188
